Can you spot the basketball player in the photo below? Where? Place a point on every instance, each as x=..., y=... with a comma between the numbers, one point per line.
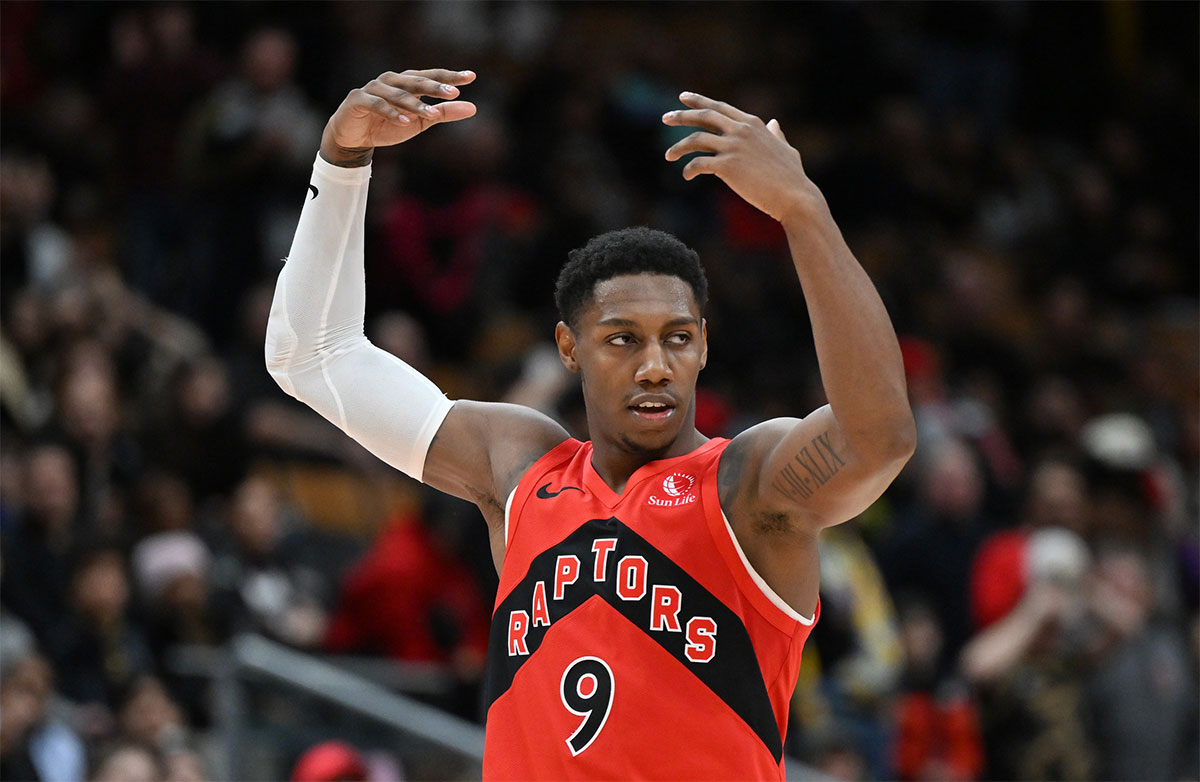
x=656, y=586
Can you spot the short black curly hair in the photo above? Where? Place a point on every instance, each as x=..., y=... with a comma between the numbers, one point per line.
x=637, y=250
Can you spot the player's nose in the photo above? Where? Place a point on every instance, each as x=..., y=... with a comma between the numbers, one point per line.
x=653, y=366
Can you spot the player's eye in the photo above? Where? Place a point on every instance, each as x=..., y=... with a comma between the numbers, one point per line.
x=681, y=338
x=620, y=340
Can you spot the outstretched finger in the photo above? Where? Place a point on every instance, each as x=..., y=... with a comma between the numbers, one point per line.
x=699, y=141
x=420, y=85
x=401, y=99
x=697, y=101
x=452, y=111
x=701, y=164
x=709, y=119
x=381, y=106
x=456, y=78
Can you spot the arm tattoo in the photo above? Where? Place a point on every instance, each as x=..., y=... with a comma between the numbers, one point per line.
x=809, y=470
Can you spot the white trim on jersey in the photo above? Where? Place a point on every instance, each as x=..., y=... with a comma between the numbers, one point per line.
x=779, y=602
x=507, y=509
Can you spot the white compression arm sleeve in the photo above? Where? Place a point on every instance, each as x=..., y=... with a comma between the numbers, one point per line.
x=316, y=349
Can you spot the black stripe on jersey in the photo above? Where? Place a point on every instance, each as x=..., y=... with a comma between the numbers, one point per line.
x=733, y=674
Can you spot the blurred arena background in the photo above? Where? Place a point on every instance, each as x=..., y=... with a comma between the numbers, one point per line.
x=203, y=580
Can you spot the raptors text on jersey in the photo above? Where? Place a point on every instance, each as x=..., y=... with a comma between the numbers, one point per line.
x=630, y=637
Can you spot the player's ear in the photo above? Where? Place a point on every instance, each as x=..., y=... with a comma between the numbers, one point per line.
x=566, y=346
x=703, y=342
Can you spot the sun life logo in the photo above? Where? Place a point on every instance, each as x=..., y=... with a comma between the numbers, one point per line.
x=678, y=484
x=678, y=488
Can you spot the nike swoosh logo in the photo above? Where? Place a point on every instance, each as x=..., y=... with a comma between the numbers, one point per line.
x=314, y=189
x=544, y=493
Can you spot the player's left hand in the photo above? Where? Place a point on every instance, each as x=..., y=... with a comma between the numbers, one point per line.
x=752, y=157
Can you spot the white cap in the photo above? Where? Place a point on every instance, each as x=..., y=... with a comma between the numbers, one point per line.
x=160, y=559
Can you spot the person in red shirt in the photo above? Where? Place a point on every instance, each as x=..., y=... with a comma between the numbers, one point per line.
x=1000, y=573
x=656, y=585
x=412, y=599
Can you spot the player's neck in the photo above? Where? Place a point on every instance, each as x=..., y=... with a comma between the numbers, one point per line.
x=615, y=462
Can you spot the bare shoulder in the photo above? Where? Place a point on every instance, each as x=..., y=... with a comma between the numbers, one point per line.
x=739, y=475
x=482, y=449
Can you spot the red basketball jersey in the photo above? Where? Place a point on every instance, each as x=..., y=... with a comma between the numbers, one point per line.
x=631, y=638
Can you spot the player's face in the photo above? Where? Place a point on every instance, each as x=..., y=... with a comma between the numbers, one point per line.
x=639, y=347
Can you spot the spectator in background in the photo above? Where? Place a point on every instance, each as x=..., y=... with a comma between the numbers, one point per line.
x=1054, y=413
x=151, y=719
x=22, y=401
x=101, y=651
x=969, y=412
x=155, y=52
x=172, y=572
x=1057, y=498
x=1133, y=496
x=35, y=742
x=91, y=321
x=937, y=722
x=27, y=322
x=246, y=152
x=1029, y=670
x=933, y=541
x=36, y=577
x=200, y=437
x=264, y=582
x=35, y=250
x=148, y=344
x=1142, y=692
x=90, y=419
x=412, y=598
x=19, y=710
x=162, y=503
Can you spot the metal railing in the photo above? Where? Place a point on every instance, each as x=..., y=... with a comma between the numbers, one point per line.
x=250, y=661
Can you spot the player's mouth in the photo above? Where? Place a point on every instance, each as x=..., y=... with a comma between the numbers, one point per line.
x=653, y=409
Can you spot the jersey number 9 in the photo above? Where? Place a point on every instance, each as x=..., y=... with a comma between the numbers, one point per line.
x=587, y=691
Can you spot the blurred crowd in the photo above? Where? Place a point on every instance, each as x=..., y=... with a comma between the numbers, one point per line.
x=1020, y=181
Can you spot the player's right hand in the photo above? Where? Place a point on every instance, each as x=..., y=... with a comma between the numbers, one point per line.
x=388, y=110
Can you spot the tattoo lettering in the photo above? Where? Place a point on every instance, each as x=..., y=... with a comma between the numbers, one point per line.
x=809, y=470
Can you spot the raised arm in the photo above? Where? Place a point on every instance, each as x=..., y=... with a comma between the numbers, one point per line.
x=828, y=467
x=316, y=349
